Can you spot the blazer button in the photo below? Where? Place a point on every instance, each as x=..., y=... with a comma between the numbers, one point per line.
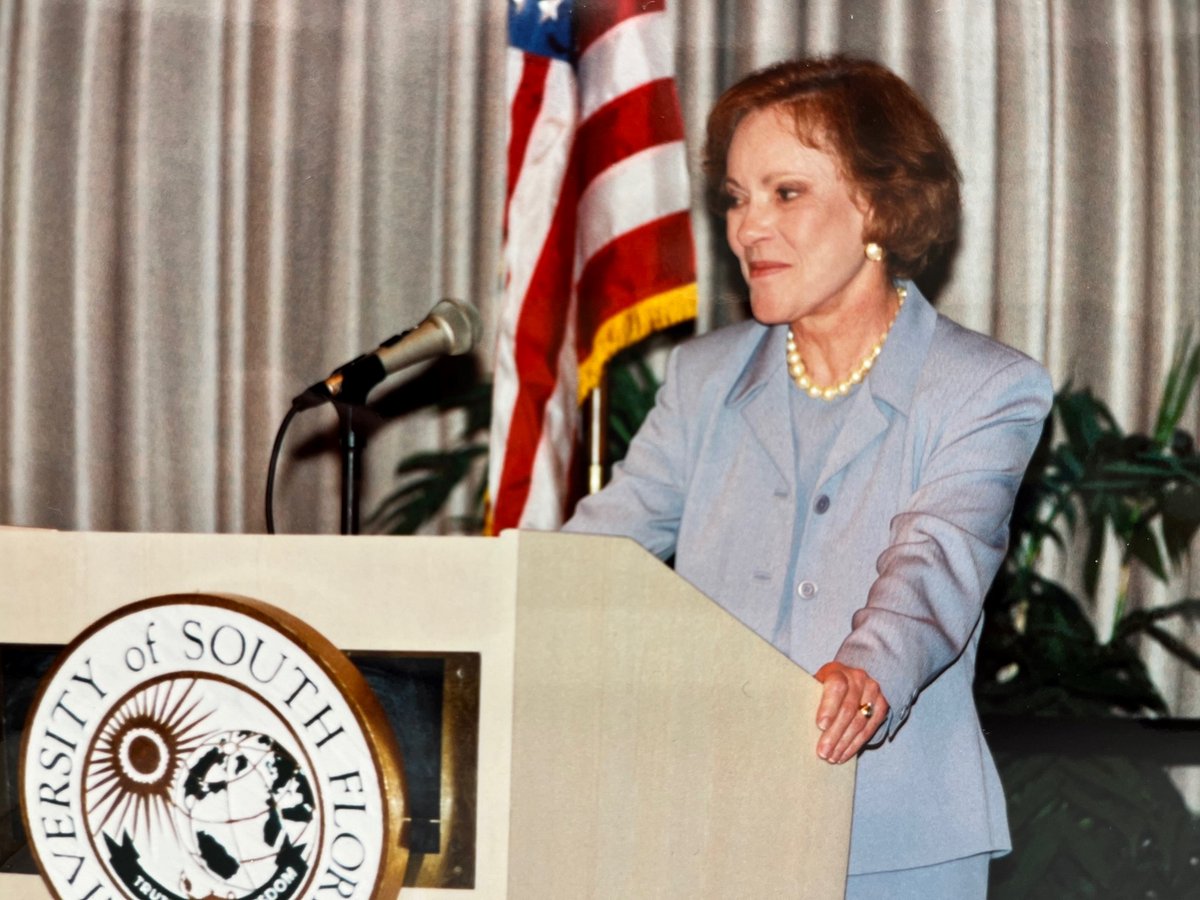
x=822, y=504
x=807, y=589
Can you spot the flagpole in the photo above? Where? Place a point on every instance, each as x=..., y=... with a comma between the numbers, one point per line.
x=597, y=409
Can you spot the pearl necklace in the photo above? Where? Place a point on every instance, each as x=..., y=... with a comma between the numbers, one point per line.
x=842, y=388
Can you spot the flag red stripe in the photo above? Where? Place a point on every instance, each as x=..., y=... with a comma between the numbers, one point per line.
x=593, y=19
x=526, y=105
x=641, y=263
x=540, y=331
x=645, y=117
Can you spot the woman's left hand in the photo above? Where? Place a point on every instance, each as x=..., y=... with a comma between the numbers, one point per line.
x=849, y=695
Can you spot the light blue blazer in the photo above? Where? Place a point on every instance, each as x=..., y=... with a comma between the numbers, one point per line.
x=899, y=542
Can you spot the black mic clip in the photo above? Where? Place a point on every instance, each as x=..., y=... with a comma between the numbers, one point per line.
x=349, y=383
x=450, y=328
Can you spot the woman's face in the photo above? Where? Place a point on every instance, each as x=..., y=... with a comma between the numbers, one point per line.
x=792, y=222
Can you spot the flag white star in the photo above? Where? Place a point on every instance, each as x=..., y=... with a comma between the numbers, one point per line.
x=549, y=9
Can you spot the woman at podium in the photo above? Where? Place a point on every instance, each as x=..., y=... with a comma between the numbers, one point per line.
x=839, y=472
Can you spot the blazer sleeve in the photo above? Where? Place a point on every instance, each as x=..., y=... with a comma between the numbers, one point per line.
x=946, y=545
x=644, y=500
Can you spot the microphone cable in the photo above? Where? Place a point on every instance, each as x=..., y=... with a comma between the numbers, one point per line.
x=271, y=466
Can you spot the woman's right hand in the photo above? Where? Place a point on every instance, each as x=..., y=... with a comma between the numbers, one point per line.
x=842, y=717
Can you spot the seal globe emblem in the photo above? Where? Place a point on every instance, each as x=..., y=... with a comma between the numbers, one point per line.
x=244, y=806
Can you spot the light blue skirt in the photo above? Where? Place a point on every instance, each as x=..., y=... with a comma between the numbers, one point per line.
x=958, y=879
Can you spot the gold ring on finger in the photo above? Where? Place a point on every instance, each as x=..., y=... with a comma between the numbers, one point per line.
x=867, y=710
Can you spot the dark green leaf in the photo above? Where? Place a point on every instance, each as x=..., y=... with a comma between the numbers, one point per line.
x=1143, y=546
x=1188, y=609
x=1180, y=519
x=1181, y=381
x=1094, y=559
x=1174, y=645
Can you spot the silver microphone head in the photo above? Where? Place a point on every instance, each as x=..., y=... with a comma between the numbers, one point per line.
x=461, y=323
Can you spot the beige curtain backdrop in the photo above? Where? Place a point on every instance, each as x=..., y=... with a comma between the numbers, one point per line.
x=206, y=205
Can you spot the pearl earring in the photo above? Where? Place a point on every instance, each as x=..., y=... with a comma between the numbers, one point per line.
x=874, y=252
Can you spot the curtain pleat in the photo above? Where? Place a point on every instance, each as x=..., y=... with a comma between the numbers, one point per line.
x=207, y=205
x=1023, y=226
x=231, y=222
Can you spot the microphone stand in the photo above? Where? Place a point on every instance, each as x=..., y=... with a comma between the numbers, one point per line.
x=352, y=441
x=358, y=377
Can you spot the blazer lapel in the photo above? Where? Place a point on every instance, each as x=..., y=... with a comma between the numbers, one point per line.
x=761, y=392
x=889, y=389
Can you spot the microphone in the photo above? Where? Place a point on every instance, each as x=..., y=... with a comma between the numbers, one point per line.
x=450, y=329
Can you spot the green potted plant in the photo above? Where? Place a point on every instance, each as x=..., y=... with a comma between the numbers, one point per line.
x=1086, y=821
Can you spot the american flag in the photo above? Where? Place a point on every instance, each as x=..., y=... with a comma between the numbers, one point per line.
x=598, y=249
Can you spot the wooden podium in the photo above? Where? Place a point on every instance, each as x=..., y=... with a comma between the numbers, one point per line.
x=633, y=739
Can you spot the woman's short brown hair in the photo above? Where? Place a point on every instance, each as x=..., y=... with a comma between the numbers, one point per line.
x=889, y=147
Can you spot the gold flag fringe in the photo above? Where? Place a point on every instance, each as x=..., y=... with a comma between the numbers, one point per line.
x=632, y=325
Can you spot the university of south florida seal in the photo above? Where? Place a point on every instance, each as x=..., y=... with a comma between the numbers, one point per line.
x=196, y=747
